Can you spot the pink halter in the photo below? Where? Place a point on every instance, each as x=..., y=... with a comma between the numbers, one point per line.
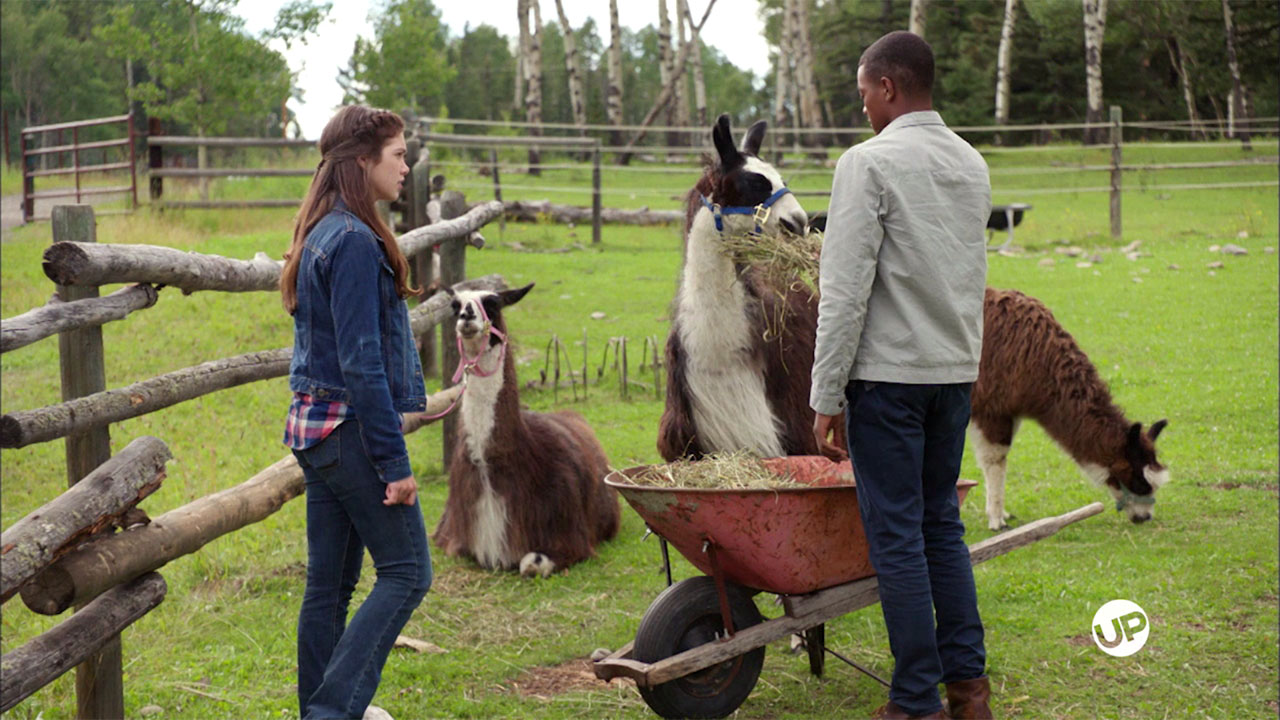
x=471, y=366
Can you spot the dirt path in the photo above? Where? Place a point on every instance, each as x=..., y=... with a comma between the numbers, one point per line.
x=11, y=209
x=10, y=212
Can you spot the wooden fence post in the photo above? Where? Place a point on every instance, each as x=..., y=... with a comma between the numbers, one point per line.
x=155, y=159
x=100, y=679
x=497, y=188
x=595, y=195
x=28, y=182
x=1116, y=140
x=423, y=262
x=453, y=269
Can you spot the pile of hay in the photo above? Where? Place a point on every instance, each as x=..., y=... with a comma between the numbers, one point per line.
x=719, y=471
x=782, y=256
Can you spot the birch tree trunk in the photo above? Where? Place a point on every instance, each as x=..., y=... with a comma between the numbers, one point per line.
x=614, y=101
x=666, y=68
x=919, y=9
x=533, y=81
x=699, y=84
x=1180, y=61
x=682, y=87
x=1095, y=25
x=665, y=96
x=1235, y=108
x=1002, y=64
x=781, y=86
x=572, y=65
x=811, y=111
x=522, y=52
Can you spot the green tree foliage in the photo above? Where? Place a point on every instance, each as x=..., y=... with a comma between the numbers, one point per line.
x=42, y=44
x=1047, y=78
x=202, y=70
x=405, y=65
x=485, y=81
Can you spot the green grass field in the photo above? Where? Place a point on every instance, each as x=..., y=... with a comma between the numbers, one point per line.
x=1173, y=338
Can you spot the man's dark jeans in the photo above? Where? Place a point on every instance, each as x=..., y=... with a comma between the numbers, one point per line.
x=339, y=665
x=906, y=442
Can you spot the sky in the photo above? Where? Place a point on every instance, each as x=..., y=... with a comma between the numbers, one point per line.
x=734, y=28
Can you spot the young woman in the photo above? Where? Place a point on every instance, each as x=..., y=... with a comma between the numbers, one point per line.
x=355, y=370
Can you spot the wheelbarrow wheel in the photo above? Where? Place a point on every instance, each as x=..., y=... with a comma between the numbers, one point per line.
x=687, y=615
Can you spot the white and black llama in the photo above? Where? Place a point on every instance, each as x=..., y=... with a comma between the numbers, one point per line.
x=526, y=489
x=740, y=350
x=1031, y=367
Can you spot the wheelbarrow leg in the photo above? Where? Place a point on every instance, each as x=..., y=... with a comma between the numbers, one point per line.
x=815, y=642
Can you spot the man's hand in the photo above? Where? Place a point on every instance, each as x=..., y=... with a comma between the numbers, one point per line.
x=402, y=492
x=823, y=428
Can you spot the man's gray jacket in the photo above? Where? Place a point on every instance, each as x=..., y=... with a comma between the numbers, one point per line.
x=904, y=262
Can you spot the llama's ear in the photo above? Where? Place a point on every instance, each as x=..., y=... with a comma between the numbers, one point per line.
x=511, y=297
x=722, y=135
x=1156, y=428
x=755, y=135
x=449, y=289
x=1135, y=432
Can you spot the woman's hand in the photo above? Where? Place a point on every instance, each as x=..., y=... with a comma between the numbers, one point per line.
x=402, y=492
x=436, y=404
x=440, y=401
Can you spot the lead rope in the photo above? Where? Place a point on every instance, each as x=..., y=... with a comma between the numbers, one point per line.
x=471, y=366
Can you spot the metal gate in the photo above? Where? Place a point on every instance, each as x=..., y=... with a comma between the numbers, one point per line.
x=30, y=151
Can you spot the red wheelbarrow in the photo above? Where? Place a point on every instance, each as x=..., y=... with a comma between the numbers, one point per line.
x=700, y=646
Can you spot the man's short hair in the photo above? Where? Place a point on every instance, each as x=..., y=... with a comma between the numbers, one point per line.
x=903, y=56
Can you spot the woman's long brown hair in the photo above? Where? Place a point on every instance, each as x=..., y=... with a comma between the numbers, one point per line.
x=355, y=132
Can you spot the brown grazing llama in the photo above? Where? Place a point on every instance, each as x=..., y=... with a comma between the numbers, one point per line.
x=526, y=489
x=740, y=350
x=1031, y=367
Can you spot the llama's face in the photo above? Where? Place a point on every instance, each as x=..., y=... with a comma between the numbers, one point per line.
x=747, y=181
x=476, y=311
x=1134, y=479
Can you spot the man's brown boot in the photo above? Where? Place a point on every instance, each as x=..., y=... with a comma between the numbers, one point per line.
x=969, y=699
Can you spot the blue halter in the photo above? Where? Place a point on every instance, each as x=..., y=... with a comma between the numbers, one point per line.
x=760, y=212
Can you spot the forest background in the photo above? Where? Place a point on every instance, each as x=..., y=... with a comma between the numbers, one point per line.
x=192, y=64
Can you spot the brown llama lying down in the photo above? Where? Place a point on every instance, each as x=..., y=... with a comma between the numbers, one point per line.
x=526, y=489
x=1031, y=367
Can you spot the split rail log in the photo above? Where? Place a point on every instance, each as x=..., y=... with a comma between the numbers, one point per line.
x=59, y=315
x=68, y=263
x=96, y=566
x=535, y=210
x=465, y=225
x=27, y=427
x=73, y=263
x=46, y=657
x=102, y=564
x=90, y=506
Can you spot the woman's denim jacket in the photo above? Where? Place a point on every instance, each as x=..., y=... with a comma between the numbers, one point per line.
x=352, y=341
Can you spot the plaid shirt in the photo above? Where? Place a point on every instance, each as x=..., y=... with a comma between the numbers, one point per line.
x=311, y=421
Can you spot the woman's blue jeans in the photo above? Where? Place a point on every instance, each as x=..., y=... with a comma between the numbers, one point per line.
x=340, y=664
x=906, y=442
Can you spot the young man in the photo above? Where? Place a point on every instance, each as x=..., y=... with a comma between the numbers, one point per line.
x=899, y=338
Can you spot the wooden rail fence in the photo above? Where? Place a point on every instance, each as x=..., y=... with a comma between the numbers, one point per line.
x=67, y=554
